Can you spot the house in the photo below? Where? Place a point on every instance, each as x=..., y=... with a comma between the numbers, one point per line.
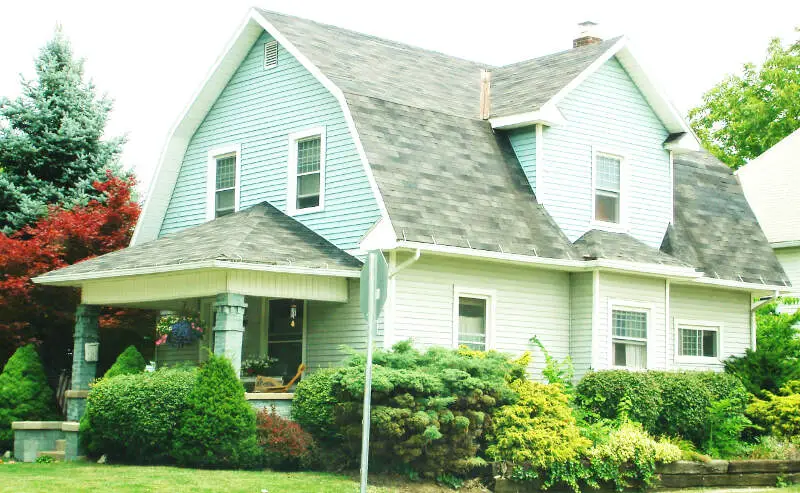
x=561, y=197
x=770, y=184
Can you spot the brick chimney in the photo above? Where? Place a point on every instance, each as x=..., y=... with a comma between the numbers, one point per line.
x=587, y=35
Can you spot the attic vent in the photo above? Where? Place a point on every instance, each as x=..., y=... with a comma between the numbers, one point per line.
x=270, y=54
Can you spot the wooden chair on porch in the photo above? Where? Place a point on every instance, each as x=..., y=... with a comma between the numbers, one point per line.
x=267, y=384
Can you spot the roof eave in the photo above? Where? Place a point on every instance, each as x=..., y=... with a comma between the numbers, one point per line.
x=547, y=115
x=76, y=280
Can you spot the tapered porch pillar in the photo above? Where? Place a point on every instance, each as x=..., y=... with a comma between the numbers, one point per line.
x=83, y=372
x=229, y=327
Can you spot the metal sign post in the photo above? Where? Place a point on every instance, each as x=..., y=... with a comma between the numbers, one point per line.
x=374, y=281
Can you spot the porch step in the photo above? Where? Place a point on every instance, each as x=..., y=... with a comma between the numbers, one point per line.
x=61, y=445
x=58, y=455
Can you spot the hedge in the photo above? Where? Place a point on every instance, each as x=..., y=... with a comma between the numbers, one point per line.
x=313, y=404
x=665, y=403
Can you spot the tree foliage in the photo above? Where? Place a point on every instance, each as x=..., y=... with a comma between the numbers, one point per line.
x=35, y=313
x=776, y=359
x=744, y=115
x=51, y=146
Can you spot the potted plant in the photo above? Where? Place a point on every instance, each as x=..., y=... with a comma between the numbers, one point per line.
x=254, y=366
x=178, y=330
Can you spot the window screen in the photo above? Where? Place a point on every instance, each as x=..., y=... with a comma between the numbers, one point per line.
x=472, y=323
x=607, y=191
x=225, y=188
x=309, y=152
x=698, y=342
x=629, y=338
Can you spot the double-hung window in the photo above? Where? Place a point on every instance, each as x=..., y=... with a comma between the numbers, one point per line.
x=306, y=171
x=473, y=319
x=223, y=181
x=698, y=341
x=607, y=191
x=629, y=337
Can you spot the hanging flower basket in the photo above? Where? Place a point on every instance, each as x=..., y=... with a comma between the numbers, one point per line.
x=178, y=330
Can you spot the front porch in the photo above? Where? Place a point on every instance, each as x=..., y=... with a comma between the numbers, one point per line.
x=261, y=284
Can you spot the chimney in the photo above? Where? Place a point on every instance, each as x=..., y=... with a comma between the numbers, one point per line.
x=587, y=35
x=486, y=94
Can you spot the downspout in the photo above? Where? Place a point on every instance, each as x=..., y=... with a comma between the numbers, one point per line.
x=406, y=263
x=753, y=325
x=667, y=325
x=389, y=314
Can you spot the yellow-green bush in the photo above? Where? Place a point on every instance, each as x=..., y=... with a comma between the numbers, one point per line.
x=779, y=414
x=538, y=430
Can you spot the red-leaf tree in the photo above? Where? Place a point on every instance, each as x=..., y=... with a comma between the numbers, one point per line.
x=44, y=314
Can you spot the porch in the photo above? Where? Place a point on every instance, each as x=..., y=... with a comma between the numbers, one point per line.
x=262, y=283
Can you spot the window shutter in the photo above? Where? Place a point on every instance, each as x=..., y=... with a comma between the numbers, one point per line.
x=270, y=54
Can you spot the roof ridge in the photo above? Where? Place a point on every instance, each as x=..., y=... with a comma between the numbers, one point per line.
x=399, y=44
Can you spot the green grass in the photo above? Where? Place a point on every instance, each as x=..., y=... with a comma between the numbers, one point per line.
x=82, y=477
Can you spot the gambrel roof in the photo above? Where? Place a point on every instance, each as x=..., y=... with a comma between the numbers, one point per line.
x=442, y=175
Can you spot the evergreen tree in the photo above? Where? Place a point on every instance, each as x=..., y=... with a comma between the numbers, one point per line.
x=129, y=362
x=51, y=147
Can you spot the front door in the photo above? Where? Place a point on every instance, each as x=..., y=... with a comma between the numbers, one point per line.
x=285, y=336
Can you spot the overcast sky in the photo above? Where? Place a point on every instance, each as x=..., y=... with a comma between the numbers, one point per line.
x=151, y=56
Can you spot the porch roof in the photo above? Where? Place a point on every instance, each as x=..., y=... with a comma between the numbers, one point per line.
x=258, y=238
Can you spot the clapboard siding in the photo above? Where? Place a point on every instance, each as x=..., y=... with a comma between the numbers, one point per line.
x=636, y=291
x=333, y=325
x=607, y=112
x=528, y=302
x=790, y=260
x=258, y=109
x=729, y=308
x=580, y=341
x=523, y=140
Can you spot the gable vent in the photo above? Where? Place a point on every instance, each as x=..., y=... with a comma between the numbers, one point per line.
x=270, y=54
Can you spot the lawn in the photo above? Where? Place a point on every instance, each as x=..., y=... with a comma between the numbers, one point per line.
x=73, y=478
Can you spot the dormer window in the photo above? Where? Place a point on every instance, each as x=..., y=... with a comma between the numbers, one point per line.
x=224, y=181
x=607, y=190
x=306, y=171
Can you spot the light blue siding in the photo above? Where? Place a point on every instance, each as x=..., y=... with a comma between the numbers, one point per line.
x=523, y=140
x=580, y=323
x=258, y=109
x=607, y=112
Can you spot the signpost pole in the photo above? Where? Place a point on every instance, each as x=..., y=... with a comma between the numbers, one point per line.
x=372, y=327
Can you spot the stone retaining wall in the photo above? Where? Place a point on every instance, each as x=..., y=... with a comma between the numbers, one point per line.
x=32, y=437
x=689, y=474
x=281, y=401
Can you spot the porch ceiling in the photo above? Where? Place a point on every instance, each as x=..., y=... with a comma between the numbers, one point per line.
x=259, y=251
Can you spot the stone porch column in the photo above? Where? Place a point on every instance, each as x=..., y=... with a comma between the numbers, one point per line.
x=229, y=327
x=83, y=372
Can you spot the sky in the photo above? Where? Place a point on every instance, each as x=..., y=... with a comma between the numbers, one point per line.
x=151, y=56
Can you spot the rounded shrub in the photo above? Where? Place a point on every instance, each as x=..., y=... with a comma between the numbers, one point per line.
x=538, y=430
x=218, y=426
x=128, y=362
x=25, y=394
x=313, y=404
x=133, y=418
x=685, y=402
x=284, y=443
x=600, y=393
x=779, y=414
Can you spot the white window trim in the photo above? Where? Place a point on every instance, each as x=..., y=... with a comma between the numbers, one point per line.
x=622, y=226
x=211, y=174
x=491, y=303
x=291, y=198
x=632, y=306
x=702, y=325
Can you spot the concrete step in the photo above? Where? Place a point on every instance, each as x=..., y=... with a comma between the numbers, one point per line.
x=61, y=445
x=55, y=454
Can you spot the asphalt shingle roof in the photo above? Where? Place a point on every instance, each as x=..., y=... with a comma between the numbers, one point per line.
x=260, y=234
x=715, y=230
x=621, y=246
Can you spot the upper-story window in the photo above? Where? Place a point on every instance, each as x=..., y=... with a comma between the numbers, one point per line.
x=306, y=171
x=607, y=190
x=223, y=181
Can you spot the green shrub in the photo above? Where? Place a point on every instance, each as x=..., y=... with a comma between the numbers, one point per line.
x=284, y=444
x=629, y=457
x=313, y=404
x=133, y=418
x=600, y=394
x=128, y=362
x=538, y=430
x=724, y=426
x=218, y=426
x=779, y=414
x=665, y=403
x=24, y=393
x=429, y=410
